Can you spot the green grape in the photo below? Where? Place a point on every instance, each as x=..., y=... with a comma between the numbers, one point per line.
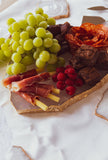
x=15, y=45
x=30, y=30
x=9, y=69
x=49, y=35
x=8, y=53
x=4, y=46
x=31, y=20
x=37, y=42
x=2, y=56
x=39, y=11
x=44, y=56
x=41, y=48
x=48, y=42
x=55, y=48
x=28, y=44
x=10, y=48
x=53, y=59
x=51, y=21
x=60, y=62
x=7, y=41
x=29, y=52
x=10, y=29
x=28, y=14
x=51, y=67
x=55, y=41
x=2, y=40
x=45, y=15
x=18, y=68
x=15, y=26
x=16, y=36
x=10, y=21
x=27, y=60
x=24, y=35
x=16, y=57
x=39, y=63
x=43, y=24
x=11, y=42
x=23, y=24
x=36, y=53
x=33, y=50
x=40, y=32
x=39, y=18
x=20, y=50
x=21, y=42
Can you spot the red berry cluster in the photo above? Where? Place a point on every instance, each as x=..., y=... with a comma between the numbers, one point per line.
x=66, y=77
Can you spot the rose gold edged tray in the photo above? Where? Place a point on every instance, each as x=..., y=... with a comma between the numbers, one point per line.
x=64, y=15
x=93, y=19
x=98, y=8
x=20, y=152
x=22, y=106
x=102, y=111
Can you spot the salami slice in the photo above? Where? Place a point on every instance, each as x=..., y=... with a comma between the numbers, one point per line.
x=89, y=34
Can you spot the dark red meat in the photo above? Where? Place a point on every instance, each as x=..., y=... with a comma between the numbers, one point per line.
x=16, y=86
x=14, y=78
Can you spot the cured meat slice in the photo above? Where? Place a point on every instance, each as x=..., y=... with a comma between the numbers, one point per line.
x=33, y=99
x=90, y=75
x=42, y=90
x=89, y=34
x=14, y=78
x=29, y=97
x=16, y=86
x=87, y=55
x=102, y=61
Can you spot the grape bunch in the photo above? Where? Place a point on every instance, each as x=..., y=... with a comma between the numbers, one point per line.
x=30, y=43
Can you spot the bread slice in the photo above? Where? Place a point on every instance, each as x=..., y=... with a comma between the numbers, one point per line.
x=22, y=106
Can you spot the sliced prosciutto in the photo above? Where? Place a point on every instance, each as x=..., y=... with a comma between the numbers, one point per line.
x=7, y=81
x=16, y=86
x=28, y=86
x=42, y=90
x=33, y=99
x=29, y=97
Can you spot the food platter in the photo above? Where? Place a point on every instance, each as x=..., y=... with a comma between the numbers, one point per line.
x=65, y=100
x=76, y=122
x=84, y=60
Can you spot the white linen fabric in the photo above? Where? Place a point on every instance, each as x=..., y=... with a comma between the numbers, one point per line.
x=76, y=133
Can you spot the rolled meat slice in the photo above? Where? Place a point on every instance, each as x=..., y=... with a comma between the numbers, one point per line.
x=7, y=81
x=29, y=97
x=33, y=99
x=42, y=90
x=16, y=86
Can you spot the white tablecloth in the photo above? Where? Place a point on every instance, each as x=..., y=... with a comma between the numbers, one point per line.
x=75, y=133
